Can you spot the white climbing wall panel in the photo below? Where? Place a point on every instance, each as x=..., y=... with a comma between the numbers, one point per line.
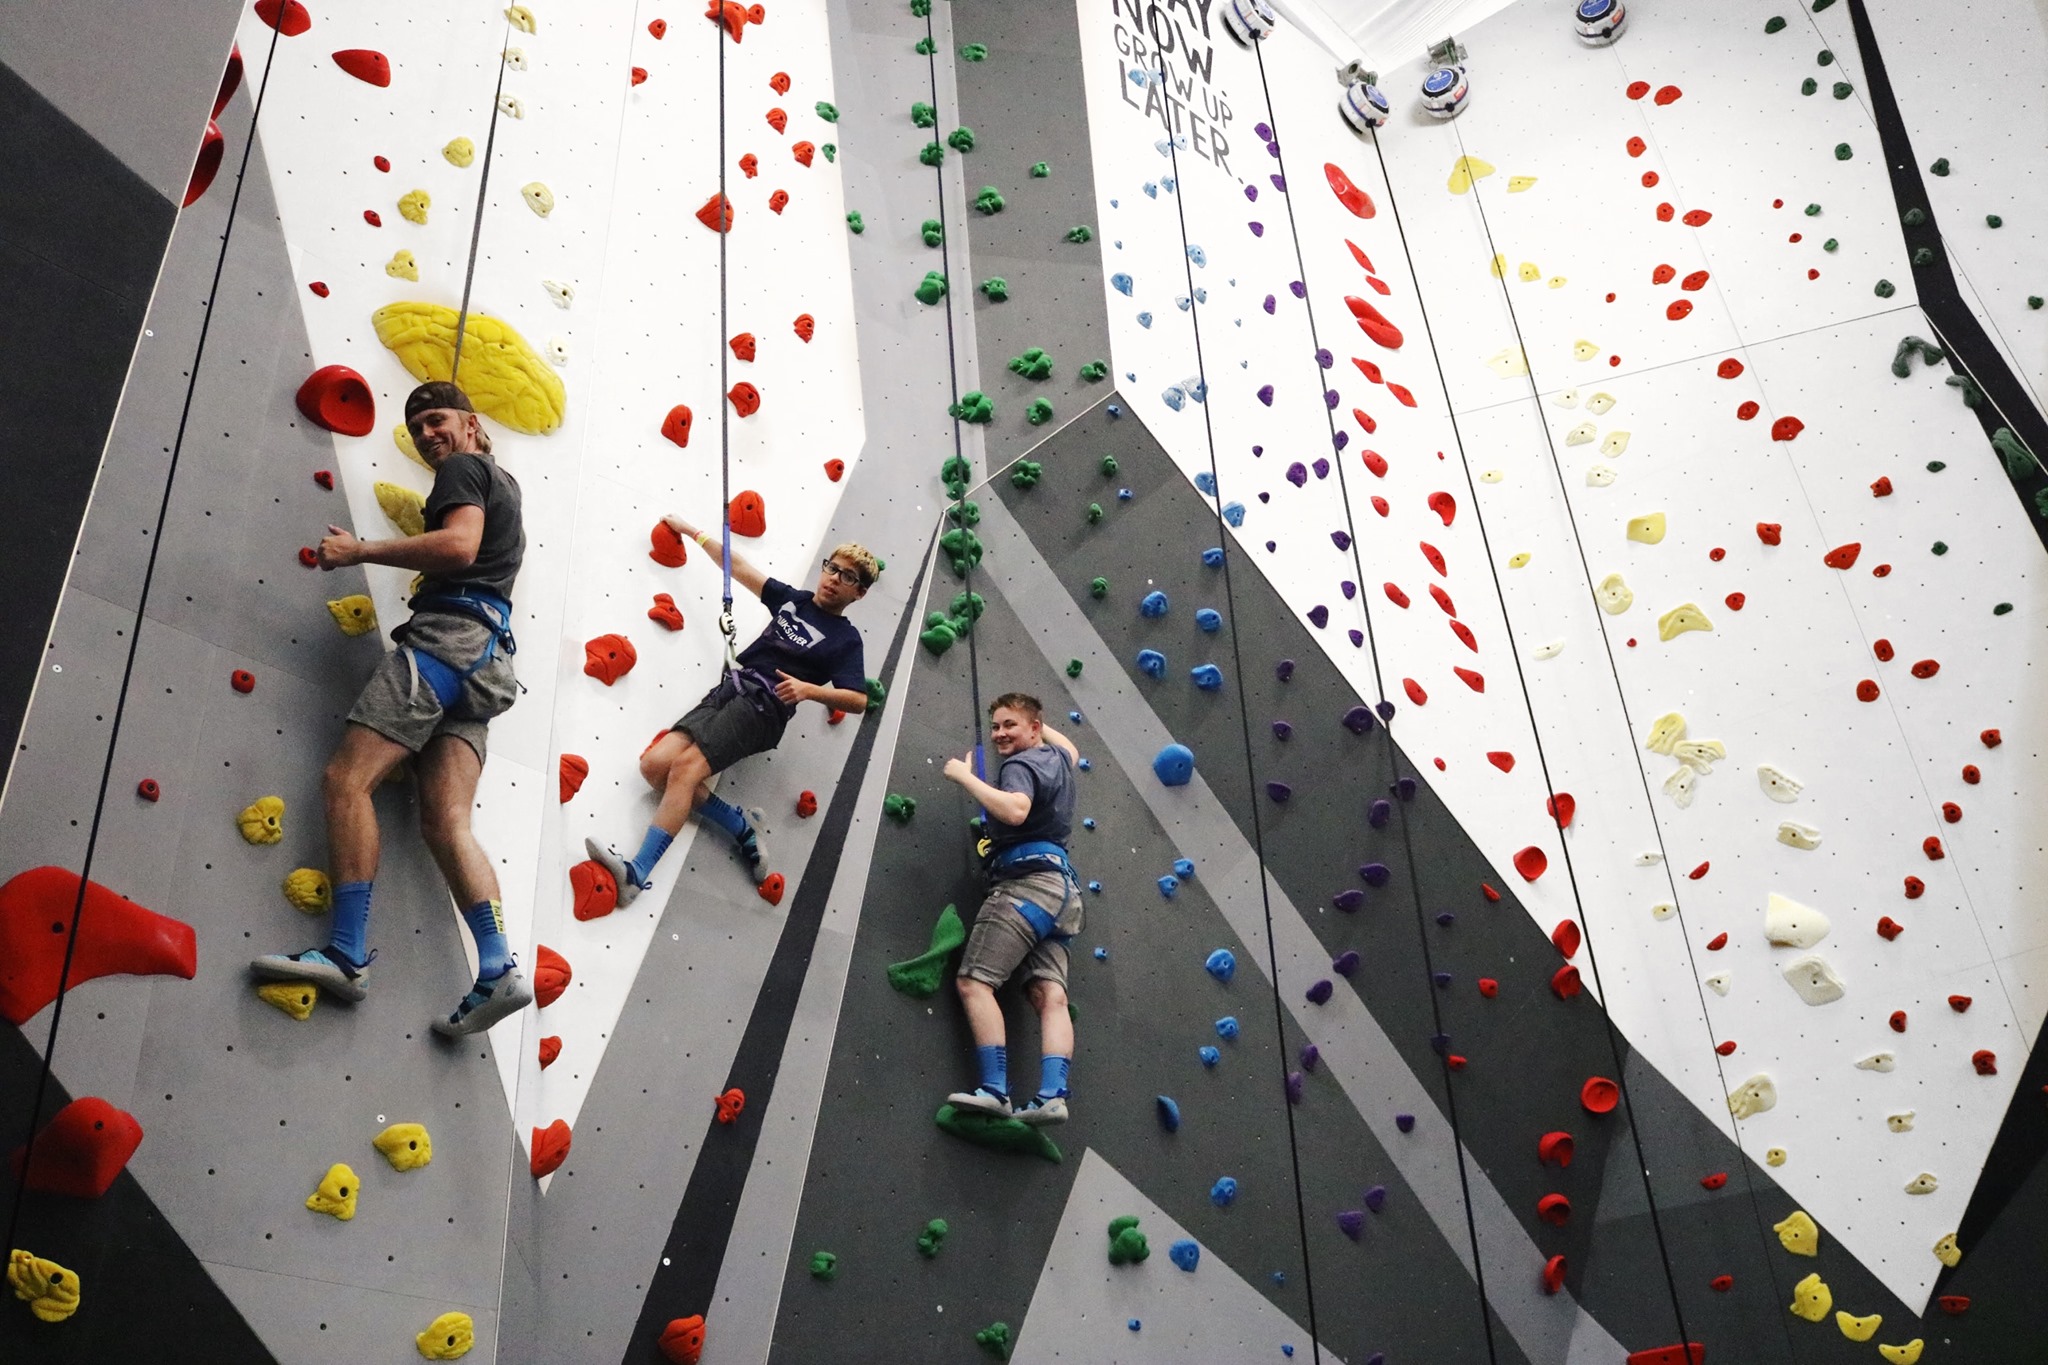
x=1568, y=174
x=628, y=167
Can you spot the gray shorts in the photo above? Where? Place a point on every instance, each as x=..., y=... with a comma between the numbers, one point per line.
x=400, y=706
x=730, y=724
x=1002, y=939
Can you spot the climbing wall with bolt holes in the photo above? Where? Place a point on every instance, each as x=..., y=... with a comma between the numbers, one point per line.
x=1545, y=600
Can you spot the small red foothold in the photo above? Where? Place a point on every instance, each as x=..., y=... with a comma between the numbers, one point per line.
x=1926, y=668
x=1415, y=692
x=1866, y=690
x=1555, y=1147
x=1435, y=558
x=1531, y=862
x=1380, y=505
x=770, y=889
x=1680, y=308
x=1717, y=554
x=1488, y=987
x=1725, y=1048
x=574, y=768
x=1554, y=1209
x=1971, y=775
x=1666, y=94
x=745, y=399
x=1721, y=1284
x=665, y=613
x=1599, y=1095
x=1637, y=89
x=550, y=1149
x=148, y=789
x=1471, y=678
x=803, y=152
x=750, y=165
x=1443, y=599
x=365, y=65
x=1665, y=213
x=551, y=975
x=609, y=658
x=1697, y=280
x=1882, y=648
x=1663, y=274
x=1395, y=595
x=1951, y=812
x=1376, y=462
x=1444, y=505
x=1561, y=808
x=1698, y=872
x=806, y=805
x=1955, y=1305
x=1698, y=218
x=658, y=29
x=731, y=1104
x=779, y=82
x=1769, y=532
x=1486, y=889
x=1731, y=368
x=1889, y=928
x=382, y=163
x=1786, y=428
x=325, y=478
x=1566, y=938
x=743, y=347
x=1374, y=324
x=309, y=556
x=242, y=680
x=639, y=75
x=1843, y=556
x=1636, y=146
x=805, y=326
x=835, y=470
x=1915, y=888
x=1650, y=180
x=1897, y=1021
x=1501, y=759
x=716, y=213
x=833, y=717
x=1986, y=1063
x=1401, y=394
x=1564, y=982
x=1813, y=274
x=1931, y=846
x=1882, y=488
x=550, y=1048
x=1464, y=633
x=1714, y=1181
x=1991, y=739
x=1348, y=194
x=319, y=288
x=373, y=218
x=778, y=201
x=1959, y=1003
x=1735, y=601
x=1747, y=412
x=1717, y=942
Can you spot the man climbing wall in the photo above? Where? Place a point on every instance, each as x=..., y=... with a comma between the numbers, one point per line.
x=432, y=698
x=1033, y=905
x=808, y=651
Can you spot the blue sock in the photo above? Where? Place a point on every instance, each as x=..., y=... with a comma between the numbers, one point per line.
x=351, y=932
x=1052, y=1076
x=487, y=925
x=653, y=844
x=995, y=1067
x=724, y=815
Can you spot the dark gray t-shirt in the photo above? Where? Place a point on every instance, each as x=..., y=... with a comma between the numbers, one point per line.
x=1047, y=776
x=478, y=481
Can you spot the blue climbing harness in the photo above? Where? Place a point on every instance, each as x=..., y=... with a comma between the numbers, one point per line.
x=1028, y=859
x=442, y=678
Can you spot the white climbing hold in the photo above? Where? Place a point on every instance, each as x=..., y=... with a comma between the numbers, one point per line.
x=1649, y=858
x=1600, y=404
x=510, y=107
x=1584, y=350
x=1774, y=1156
x=1679, y=785
x=1794, y=834
x=1647, y=529
x=520, y=17
x=1680, y=619
x=1699, y=754
x=1547, y=651
x=1814, y=980
x=1922, y=1183
x=515, y=58
x=1779, y=785
x=562, y=294
x=1665, y=732
x=558, y=350
x=1508, y=364
x=1614, y=595
x=1581, y=435
x=1754, y=1096
x=1882, y=1062
x=539, y=198
x=1615, y=444
x=1600, y=476
x=1900, y=1122
x=1493, y=476
x=1788, y=924
x=1662, y=911
x=1718, y=983
x=1566, y=398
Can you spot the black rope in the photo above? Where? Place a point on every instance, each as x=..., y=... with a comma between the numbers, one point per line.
x=156, y=540
x=476, y=228
x=725, y=217
x=1394, y=766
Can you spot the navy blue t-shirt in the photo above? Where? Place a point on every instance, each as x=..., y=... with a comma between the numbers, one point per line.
x=805, y=642
x=1046, y=775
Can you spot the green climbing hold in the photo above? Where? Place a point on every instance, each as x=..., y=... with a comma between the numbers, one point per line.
x=1829, y=245
x=1080, y=233
x=900, y=808
x=1843, y=151
x=996, y=287
x=877, y=691
x=956, y=470
x=1972, y=395
x=967, y=606
x=1808, y=86
x=1095, y=371
x=920, y=977
x=831, y=151
x=1108, y=466
x=1127, y=1245
x=854, y=223
x=923, y=115
x=934, y=1235
x=827, y=111
x=989, y=200
x=1915, y=216
x=932, y=288
x=933, y=231
x=926, y=47
x=1825, y=57
x=1040, y=170
x=995, y=1339
x=1073, y=668
x=961, y=139
x=1843, y=90
x=1094, y=513
x=1902, y=358
x=1940, y=547
x=1033, y=364
x=1774, y=24
x=1923, y=255
x=1098, y=588
x=2041, y=501
x=1993, y=220
x=2004, y=607
x=2019, y=461
x=964, y=513
x=1038, y=412
x=824, y=1265
x=962, y=548
x=920, y=9
x=1813, y=210
x=998, y=1134
x=932, y=155
x=974, y=52
x=1819, y=5
x=1936, y=466
x=1026, y=474
x=2034, y=302
x=1940, y=167
x=939, y=635
x=1885, y=289
x=974, y=406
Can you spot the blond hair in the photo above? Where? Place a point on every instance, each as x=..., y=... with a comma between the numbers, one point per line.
x=861, y=558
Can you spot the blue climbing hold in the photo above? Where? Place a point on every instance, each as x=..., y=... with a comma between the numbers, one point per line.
x=1095, y=887
x=1379, y=812
x=1213, y=556
x=1348, y=900
x=1151, y=663
x=1197, y=255
x=1185, y=1254
x=1233, y=514
x=1319, y=993
x=1122, y=284
x=1168, y=885
x=1123, y=495
x=1345, y=963
x=1375, y=874
x=1405, y=1122
x=1319, y=616
x=1210, y=1056
x=1174, y=397
x=1209, y=619
x=1183, y=868
x=1102, y=954
x=1074, y=716
x=1133, y=1324
x=1376, y=1198
x=1145, y=320
x=1085, y=765
x=1223, y=1192
x=1175, y=765
x=1226, y=1028
x=1221, y=964
x=1088, y=822
x=1208, y=677
x=1116, y=409
x=1206, y=481
x=1284, y=669
x=1282, y=730
x=1286, y=1347
x=1169, y=1113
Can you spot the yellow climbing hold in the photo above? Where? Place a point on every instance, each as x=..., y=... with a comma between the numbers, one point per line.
x=521, y=18
x=336, y=1196
x=539, y=198
x=308, y=889
x=262, y=820
x=1499, y=266
x=447, y=1337
x=1493, y=476
x=1556, y=281
x=402, y=266
x=1646, y=530
x=1528, y=272
x=1665, y=732
x=1599, y=404
x=1584, y=350
x=1859, y=1329
x=1518, y=183
x=295, y=998
x=1681, y=619
x=1508, y=364
x=1466, y=170
x=1615, y=596
x=1923, y=1183
x=406, y=448
x=1947, y=1252
x=406, y=509
x=1519, y=560
x=49, y=1290
x=460, y=151
x=405, y=1145
x=355, y=614
x=507, y=379
x=413, y=207
x=1799, y=1234
x=1774, y=1156
x=1581, y=435
x=1615, y=444
x=1909, y=1354
x=1811, y=1299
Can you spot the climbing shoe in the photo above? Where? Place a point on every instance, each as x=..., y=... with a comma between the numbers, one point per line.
x=983, y=1099
x=622, y=874
x=326, y=967
x=487, y=1003
x=1043, y=1109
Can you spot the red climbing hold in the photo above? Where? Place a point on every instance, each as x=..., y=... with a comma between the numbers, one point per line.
x=1691, y=1353
x=1636, y=146
x=1931, y=846
x=668, y=550
x=1401, y=394
x=1566, y=938
x=1395, y=595
x=1369, y=370
x=1599, y=1095
x=750, y=165
x=81, y=1150
x=1435, y=558
x=551, y=975
x=1443, y=599
x=1725, y=1049
x=550, y=1149
x=1364, y=261
x=1650, y=180
x=230, y=80
x=1714, y=1181
x=806, y=326
x=1971, y=775
x=749, y=514
x=1697, y=218
x=1376, y=462
x=1986, y=1063
x=1843, y=556
x=1883, y=650
x=1695, y=281
x=574, y=768
x=1991, y=739
x=1554, y=1209
x=733, y=15
x=638, y=75
x=325, y=478
x=770, y=889
x=835, y=470
x=1897, y=1021
x=1555, y=1147
x=319, y=288
x=1889, y=928
x=1731, y=368
x=1501, y=759
x=372, y=217
x=1381, y=505
x=1475, y=681
x=115, y=936
x=595, y=893
x=779, y=82
x=806, y=805
x=1415, y=692
x=1553, y=1274
x=1717, y=942
x=1487, y=890
x=309, y=556
x=382, y=163
x=665, y=613
x=1867, y=690
x=1348, y=194
x=1698, y=872
x=682, y=1341
x=148, y=789
x=777, y=120
x=1665, y=213
x=1915, y=888
x=1663, y=274
x=339, y=399
x=1637, y=89
x=731, y=1104
x=1561, y=808
x=1444, y=505
x=1955, y=1305
x=743, y=347
x=658, y=29
x=366, y=65
x=1960, y=1003
x=288, y=17
x=1786, y=428
x=242, y=680
x=1735, y=601
x=1926, y=668
x=1679, y=309
x=745, y=399
x=1488, y=987
x=609, y=658
x=716, y=213
x=1882, y=488
x=550, y=1048
x=803, y=152
x=1373, y=323
x=778, y=201
x=676, y=426
x=1748, y=411
x=213, y=146
x=1531, y=862
x=1667, y=94
x=1721, y=1284
x=1717, y=554
x=1364, y=420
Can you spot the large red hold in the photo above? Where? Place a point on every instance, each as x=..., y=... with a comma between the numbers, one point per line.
x=609, y=658
x=574, y=769
x=1373, y=323
x=665, y=613
x=682, y=1341
x=1531, y=862
x=666, y=547
x=550, y=1148
x=595, y=894
x=551, y=975
x=339, y=399
x=230, y=80
x=1786, y=428
x=115, y=937
x=288, y=17
x=365, y=64
x=81, y=1150
x=212, y=147
x=749, y=514
x=676, y=426
x=716, y=213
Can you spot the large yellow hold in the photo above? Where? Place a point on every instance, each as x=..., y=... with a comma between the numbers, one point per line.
x=505, y=378
x=459, y=151
x=336, y=1196
x=1464, y=171
x=447, y=1337
x=49, y=1290
x=355, y=614
x=407, y=509
x=295, y=998
x=413, y=206
x=406, y=1146
x=1647, y=530
x=1799, y=1234
x=262, y=820
x=1859, y=1329
x=1811, y=1299
x=1909, y=1354
x=1948, y=1251
x=308, y=889
x=1681, y=619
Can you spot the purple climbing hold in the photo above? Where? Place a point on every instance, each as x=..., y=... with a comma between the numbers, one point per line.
x=1272, y=545
x=1352, y=1223
x=1341, y=539
x=1319, y=994
x=1297, y=474
x=1273, y=148
x=1266, y=394
x=1349, y=899
x=1324, y=358
x=1258, y=229
x=1265, y=131
x=1265, y=497
x=1405, y=789
x=1349, y=589
x=1279, y=183
x=1258, y=450
x=1345, y=963
x=1271, y=302
x=1442, y=979
x=1284, y=669
x=1310, y=1055
x=1321, y=467
x=1281, y=729
x=1445, y=919
x=1440, y=1043
x=1340, y=440
x=1319, y=615
x=1376, y=1358
x=1294, y=1087
x=1357, y=639
x=1300, y=289
x=1331, y=398
x=1386, y=709
x=1279, y=791
x=1379, y=812
x=1375, y=874
x=1251, y=192
x=1376, y=1198
x=1358, y=720
x=1405, y=1122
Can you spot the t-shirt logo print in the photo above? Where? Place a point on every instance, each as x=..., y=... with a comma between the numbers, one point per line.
x=796, y=632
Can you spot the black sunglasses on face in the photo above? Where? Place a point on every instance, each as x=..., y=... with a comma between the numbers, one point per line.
x=850, y=577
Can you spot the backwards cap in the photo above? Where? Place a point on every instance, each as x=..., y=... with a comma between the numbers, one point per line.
x=437, y=393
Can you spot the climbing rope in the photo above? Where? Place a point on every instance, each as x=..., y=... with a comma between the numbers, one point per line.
x=476, y=227
x=726, y=626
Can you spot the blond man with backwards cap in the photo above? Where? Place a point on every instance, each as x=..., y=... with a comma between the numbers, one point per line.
x=432, y=699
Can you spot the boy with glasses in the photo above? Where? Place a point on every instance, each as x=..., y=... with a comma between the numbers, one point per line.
x=808, y=652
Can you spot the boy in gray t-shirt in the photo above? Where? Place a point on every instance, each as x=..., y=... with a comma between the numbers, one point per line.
x=1033, y=906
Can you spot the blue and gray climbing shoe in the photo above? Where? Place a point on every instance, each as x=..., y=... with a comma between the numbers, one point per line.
x=1043, y=1109
x=487, y=1003
x=983, y=1099
x=326, y=967
x=622, y=872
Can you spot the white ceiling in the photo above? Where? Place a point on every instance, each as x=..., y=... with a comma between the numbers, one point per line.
x=1391, y=33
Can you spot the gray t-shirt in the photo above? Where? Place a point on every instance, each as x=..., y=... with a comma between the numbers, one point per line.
x=1047, y=776
x=478, y=481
